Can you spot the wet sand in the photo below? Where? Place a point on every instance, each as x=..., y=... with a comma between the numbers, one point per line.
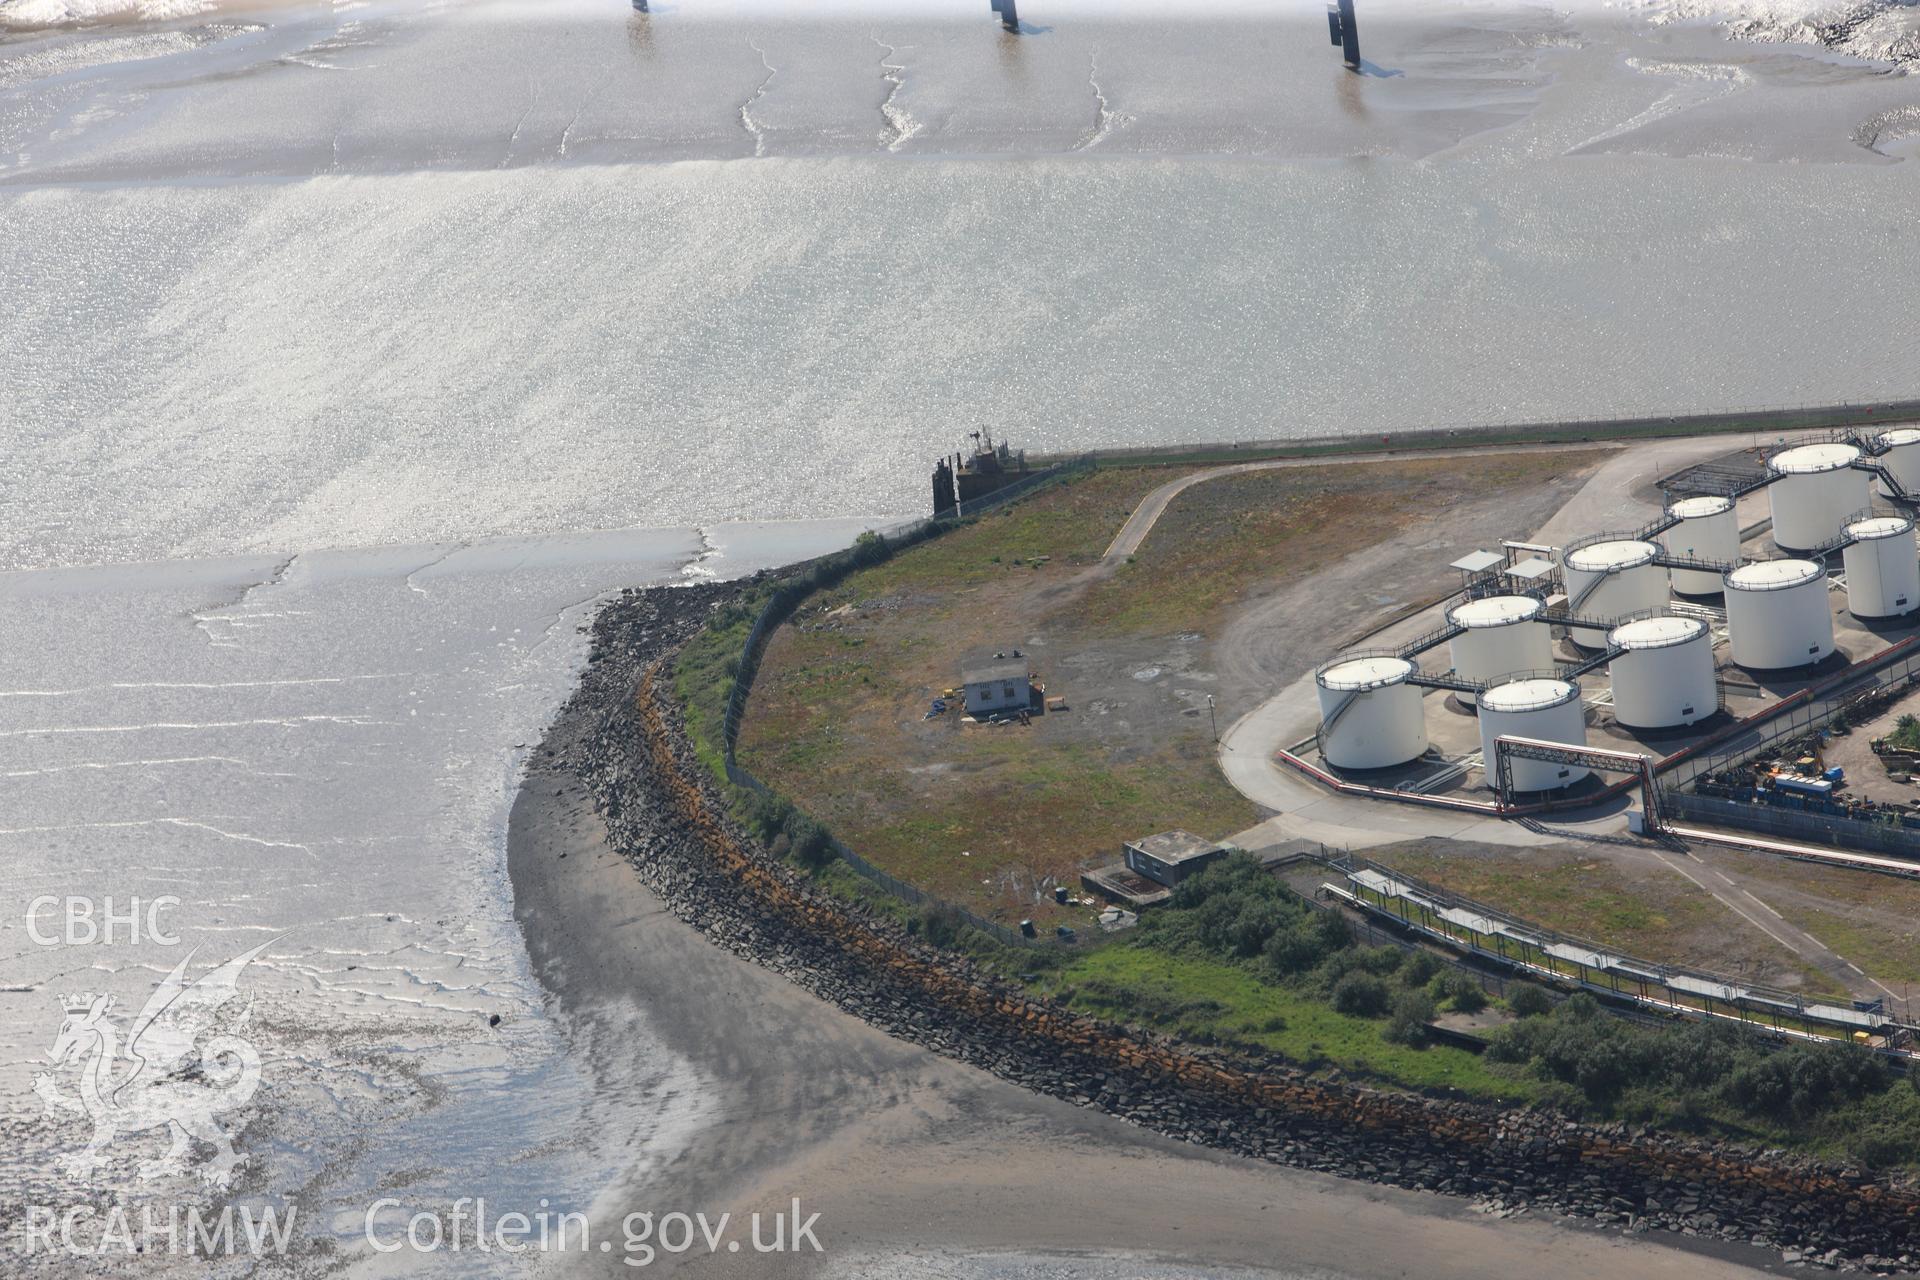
x=923, y=1166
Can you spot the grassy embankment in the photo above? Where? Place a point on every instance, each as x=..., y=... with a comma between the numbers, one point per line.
x=836, y=717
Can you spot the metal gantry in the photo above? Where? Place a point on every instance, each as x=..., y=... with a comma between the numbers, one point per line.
x=1507, y=749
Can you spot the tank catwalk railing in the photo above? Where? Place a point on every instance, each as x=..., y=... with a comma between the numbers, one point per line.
x=1584, y=622
x=1896, y=492
x=1652, y=530
x=1428, y=641
x=1574, y=670
x=1669, y=560
x=1713, y=480
x=1446, y=680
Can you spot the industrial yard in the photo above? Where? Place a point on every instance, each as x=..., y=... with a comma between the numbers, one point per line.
x=1694, y=650
x=1662, y=616
x=1649, y=641
x=1089, y=698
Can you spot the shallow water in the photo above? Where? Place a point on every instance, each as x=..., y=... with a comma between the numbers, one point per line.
x=524, y=305
x=525, y=294
x=320, y=754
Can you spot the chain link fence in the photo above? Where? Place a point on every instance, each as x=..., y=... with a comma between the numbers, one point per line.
x=1891, y=838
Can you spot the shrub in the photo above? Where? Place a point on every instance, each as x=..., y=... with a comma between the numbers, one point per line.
x=1419, y=968
x=812, y=848
x=1460, y=991
x=1407, y=1024
x=1306, y=942
x=1360, y=994
x=1378, y=962
x=1528, y=1001
x=1797, y=1081
x=767, y=815
x=1237, y=908
x=1884, y=1140
x=940, y=926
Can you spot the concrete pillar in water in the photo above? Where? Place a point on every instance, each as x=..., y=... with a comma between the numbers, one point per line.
x=1009, y=14
x=1340, y=25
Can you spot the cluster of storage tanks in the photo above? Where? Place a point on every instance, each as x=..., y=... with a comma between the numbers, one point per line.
x=1662, y=672
x=1374, y=717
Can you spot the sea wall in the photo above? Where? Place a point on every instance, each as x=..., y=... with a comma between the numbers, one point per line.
x=622, y=740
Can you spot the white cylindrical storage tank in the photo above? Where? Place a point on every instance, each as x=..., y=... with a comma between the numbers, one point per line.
x=1777, y=614
x=1817, y=489
x=1543, y=707
x=1664, y=677
x=1611, y=579
x=1883, y=567
x=1709, y=529
x=1503, y=635
x=1370, y=717
x=1902, y=457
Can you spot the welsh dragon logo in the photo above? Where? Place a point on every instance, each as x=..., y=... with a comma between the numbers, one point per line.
x=181, y=1065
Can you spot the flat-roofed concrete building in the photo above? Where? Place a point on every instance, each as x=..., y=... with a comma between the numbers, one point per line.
x=1171, y=856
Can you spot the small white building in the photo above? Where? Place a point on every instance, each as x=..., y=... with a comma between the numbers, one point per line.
x=1002, y=683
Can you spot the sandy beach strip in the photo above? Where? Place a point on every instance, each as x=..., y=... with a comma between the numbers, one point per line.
x=917, y=1162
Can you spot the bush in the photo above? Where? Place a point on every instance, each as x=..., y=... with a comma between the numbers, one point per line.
x=940, y=926
x=1797, y=1081
x=1237, y=908
x=1361, y=994
x=1419, y=968
x=767, y=815
x=812, y=848
x=1412, y=1011
x=1304, y=943
x=1528, y=1001
x=1460, y=991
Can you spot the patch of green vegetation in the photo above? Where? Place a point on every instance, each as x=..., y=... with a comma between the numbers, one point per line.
x=1906, y=733
x=1831, y=1098
x=703, y=676
x=1888, y=956
x=1238, y=959
x=1069, y=523
x=1215, y=1001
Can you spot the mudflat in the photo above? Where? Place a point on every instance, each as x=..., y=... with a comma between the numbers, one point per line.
x=918, y=1165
